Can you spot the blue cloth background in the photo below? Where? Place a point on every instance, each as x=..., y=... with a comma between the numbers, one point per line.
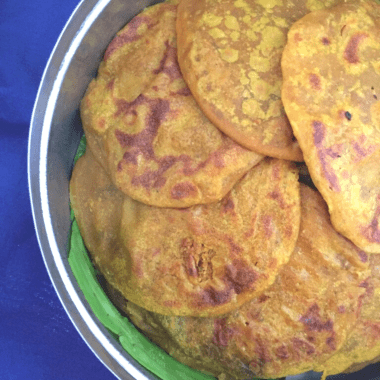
x=37, y=339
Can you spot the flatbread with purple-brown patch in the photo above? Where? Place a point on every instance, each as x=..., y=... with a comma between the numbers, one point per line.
x=203, y=260
x=331, y=94
x=294, y=326
x=145, y=128
x=362, y=347
x=230, y=53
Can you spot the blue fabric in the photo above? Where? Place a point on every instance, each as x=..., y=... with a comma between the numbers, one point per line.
x=37, y=339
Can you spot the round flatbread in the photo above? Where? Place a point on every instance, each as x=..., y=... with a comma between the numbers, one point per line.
x=229, y=53
x=203, y=260
x=331, y=94
x=145, y=128
x=298, y=323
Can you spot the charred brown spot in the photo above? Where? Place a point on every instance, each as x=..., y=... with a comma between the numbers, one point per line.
x=228, y=205
x=183, y=190
x=319, y=131
x=130, y=34
x=313, y=322
x=315, y=81
x=372, y=231
x=325, y=41
x=212, y=297
x=282, y=352
x=234, y=248
x=239, y=277
x=185, y=91
x=352, y=48
x=263, y=298
x=169, y=63
x=277, y=196
x=363, y=256
x=303, y=346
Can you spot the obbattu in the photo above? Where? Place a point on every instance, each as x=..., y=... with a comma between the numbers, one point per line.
x=144, y=126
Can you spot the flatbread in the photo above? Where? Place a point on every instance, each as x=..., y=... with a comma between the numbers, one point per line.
x=204, y=260
x=145, y=128
x=295, y=325
x=362, y=347
x=229, y=53
x=331, y=94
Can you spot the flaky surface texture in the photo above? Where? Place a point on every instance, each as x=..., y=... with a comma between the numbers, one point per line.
x=145, y=128
x=331, y=97
x=230, y=53
x=294, y=326
x=204, y=260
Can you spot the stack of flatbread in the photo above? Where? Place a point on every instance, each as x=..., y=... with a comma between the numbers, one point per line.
x=230, y=190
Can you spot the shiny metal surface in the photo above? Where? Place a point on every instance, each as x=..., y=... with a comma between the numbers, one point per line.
x=54, y=137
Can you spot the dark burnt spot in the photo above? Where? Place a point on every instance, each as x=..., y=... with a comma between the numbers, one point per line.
x=228, y=205
x=130, y=34
x=303, y=346
x=212, y=297
x=222, y=333
x=315, y=81
x=372, y=231
x=234, y=248
x=325, y=41
x=183, y=190
x=126, y=108
x=330, y=341
x=311, y=339
x=352, y=48
x=363, y=256
x=374, y=328
x=239, y=277
x=348, y=115
x=277, y=196
x=319, y=131
x=313, y=322
x=263, y=298
x=169, y=63
x=282, y=352
x=342, y=29
x=185, y=91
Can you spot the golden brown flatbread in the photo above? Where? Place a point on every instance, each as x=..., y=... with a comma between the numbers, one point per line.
x=145, y=128
x=331, y=90
x=363, y=344
x=294, y=326
x=204, y=260
x=229, y=53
